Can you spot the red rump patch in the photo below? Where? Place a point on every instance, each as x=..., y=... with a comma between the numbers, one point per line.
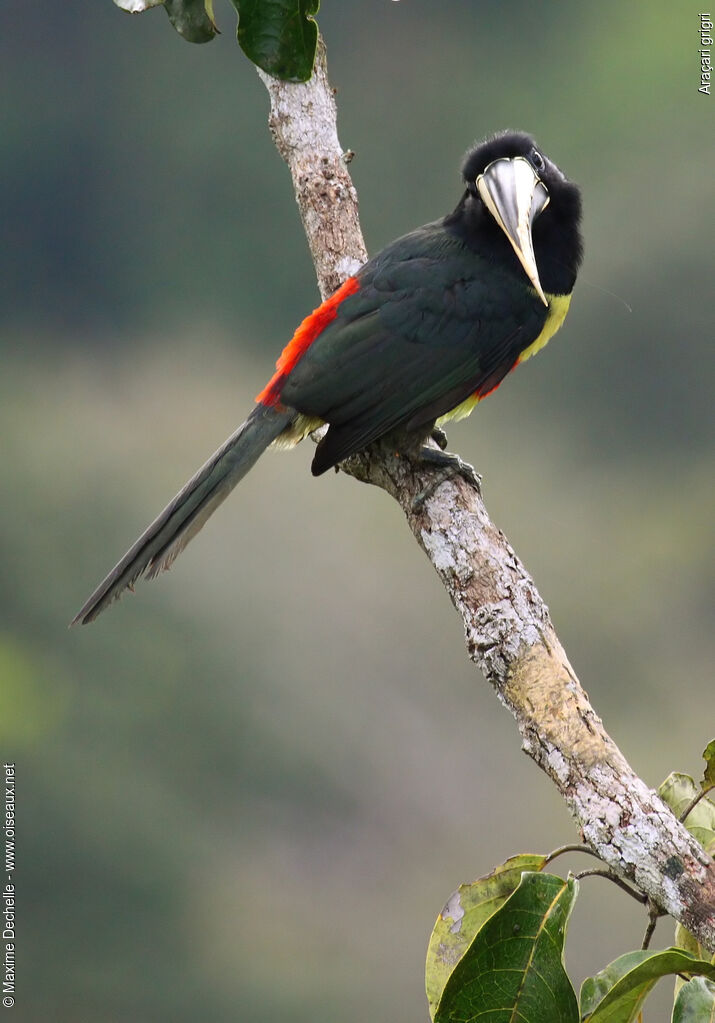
x=304, y=336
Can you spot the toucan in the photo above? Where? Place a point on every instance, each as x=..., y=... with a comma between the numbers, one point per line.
x=416, y=337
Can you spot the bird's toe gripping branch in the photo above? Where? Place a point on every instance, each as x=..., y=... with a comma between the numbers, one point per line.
x=439, y=437
x=446, y=466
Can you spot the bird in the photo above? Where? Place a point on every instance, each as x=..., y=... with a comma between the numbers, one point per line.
x=415, y=338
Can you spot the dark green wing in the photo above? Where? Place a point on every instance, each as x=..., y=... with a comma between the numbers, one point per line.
x=431, y=324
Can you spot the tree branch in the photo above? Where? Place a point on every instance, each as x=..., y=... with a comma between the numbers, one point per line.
x=508, y=629
x=303, y=122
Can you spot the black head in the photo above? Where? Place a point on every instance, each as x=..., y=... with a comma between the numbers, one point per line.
x=526, y=207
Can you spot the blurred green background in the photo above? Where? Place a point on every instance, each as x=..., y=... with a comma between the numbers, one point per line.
x=246, y=792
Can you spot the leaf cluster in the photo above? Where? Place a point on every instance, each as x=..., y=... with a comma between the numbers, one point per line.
x=497, y=949
x=279, y=36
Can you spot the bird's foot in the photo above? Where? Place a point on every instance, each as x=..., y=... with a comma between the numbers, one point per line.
x=447, y=466
x=439, y=437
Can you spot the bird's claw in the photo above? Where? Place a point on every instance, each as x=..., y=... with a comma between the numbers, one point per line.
x=447, y=466
x=439, y=437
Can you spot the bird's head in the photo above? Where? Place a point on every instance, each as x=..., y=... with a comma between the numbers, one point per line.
x=517, y=192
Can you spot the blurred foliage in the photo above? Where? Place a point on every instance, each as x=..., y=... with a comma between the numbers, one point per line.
x=250, y=784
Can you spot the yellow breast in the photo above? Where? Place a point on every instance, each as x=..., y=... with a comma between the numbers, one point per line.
x=558, y=307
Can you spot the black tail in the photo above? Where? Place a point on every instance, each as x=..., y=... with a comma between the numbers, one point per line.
x=181, y=520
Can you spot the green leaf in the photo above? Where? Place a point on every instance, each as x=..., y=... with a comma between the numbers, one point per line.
x=466, y=910
x=192, y=19
x=616, y=994
x=695, y=1002
x=513, y=969
x=709, y=773
x=280, y=36
x=678, y=791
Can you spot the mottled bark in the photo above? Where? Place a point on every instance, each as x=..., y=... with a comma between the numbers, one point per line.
x=508, y=629
x=303, y=124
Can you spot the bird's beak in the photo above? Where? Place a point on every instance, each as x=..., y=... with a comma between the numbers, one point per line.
x=514, y=195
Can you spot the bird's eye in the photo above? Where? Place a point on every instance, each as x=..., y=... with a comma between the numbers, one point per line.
x=537, y=160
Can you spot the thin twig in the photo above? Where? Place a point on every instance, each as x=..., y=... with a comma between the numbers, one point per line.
x=694, y=802
x=572, y=847
x=653, y=915
x=610, y=876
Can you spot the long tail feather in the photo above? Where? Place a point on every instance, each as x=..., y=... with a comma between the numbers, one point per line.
x=181, y=520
